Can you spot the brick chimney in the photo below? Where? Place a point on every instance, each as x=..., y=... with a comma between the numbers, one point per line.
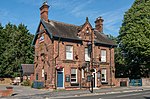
x=99, y=24
x=44, y=11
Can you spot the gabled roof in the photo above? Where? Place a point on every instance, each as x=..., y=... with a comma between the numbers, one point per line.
x=69, y=31
x=27, y=69
x=60, y=29
x=103, y=39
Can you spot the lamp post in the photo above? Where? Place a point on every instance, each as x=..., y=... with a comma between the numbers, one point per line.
x=90, y=48
x=45, y=77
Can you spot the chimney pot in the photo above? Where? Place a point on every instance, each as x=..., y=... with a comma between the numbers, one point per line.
x=99, y=24
x=44, y=11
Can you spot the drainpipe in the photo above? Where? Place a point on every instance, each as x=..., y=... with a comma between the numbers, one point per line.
x=92, y=44
x=110, y=68
x=55, y=62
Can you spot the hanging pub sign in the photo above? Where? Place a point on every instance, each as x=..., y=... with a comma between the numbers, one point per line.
x=67, y=78
x=88, y=78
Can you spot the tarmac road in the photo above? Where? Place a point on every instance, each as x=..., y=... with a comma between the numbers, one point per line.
x=128, y=95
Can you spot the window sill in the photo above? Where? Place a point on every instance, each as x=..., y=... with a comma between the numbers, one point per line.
x=103, y=83
x=68, y=61
x=74, y=84
x=104, y=63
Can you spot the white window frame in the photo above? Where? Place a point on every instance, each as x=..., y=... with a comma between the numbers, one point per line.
x=83, y=73
x=86, y=54
x=69, y=53
x=74, y=77
x=103, y=55
x=42, y=72
x=104, y=75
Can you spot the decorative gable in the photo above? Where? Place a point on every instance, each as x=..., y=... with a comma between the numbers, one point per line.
x=85, y=31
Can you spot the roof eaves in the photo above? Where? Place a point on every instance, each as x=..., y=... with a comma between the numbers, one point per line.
x=114, y=45
x=45, y=26
x=68, y=38
x=33, y=41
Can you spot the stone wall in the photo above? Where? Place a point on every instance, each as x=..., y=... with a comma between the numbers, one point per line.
x=120, y=80
x=145, y=81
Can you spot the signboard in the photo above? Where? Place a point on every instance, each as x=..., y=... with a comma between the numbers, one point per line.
x=88, y=78
x=67, y=78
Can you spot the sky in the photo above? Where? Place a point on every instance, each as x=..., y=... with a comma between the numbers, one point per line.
x=68, y=11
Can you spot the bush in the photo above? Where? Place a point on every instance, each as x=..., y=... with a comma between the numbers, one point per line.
x=26, y=83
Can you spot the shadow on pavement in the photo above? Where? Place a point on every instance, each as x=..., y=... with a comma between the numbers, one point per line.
x=147, y=97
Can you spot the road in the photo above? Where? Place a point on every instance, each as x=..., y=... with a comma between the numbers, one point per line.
x=128, y=95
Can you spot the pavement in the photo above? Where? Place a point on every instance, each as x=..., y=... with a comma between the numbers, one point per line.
x=23, y=92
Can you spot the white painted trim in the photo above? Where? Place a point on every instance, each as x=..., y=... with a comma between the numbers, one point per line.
x=82, y=70
x=95, y=78
x=76, y=76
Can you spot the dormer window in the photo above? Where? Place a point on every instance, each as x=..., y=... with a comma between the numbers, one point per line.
x=41, y=38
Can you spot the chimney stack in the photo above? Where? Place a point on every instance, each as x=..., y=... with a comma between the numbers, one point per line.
x=44, y=11
x=99, y=24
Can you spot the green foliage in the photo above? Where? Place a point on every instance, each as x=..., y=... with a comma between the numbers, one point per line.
x=26, y=83
x=121, y=69
x=15, y=49
x=134, y=38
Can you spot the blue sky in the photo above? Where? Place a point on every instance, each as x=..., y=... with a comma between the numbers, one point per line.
x=68, y=11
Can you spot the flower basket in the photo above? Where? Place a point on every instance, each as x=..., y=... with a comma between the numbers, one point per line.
x=59, y=67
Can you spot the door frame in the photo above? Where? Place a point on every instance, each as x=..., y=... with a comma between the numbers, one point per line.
x=63, y=79
x=95, y=78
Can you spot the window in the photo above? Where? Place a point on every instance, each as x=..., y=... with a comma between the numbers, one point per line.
x=69, y=52
x=37, y=76
x=103, y=75
x=73, y=75
x=103, y=55
x=42, y=72
x=87, y=55
x=82, y=73
x=41, y=38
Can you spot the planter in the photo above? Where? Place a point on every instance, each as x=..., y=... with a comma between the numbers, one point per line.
x=9, y=88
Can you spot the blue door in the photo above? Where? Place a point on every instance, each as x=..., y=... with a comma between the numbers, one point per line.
x=59, y=79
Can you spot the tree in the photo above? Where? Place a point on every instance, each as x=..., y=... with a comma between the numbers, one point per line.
x=121, y=69
x=16, y=49
x=134, y=38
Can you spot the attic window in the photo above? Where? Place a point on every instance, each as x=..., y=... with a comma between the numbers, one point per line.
x=41, y=38
x=87, y=30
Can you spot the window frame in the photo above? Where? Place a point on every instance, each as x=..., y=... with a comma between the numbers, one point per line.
x=104, y=58
x=83, y=76
x=73, y=77
x=105, y=76
x=43, y=72
x=69, y=52
x=86, y=54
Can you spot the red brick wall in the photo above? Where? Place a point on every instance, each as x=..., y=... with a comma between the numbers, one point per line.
x=51, y=51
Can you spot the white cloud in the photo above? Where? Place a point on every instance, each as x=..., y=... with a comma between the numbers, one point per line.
x=113, y=20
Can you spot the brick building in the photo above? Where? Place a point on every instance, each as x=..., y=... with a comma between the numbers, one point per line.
x=66, y=55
